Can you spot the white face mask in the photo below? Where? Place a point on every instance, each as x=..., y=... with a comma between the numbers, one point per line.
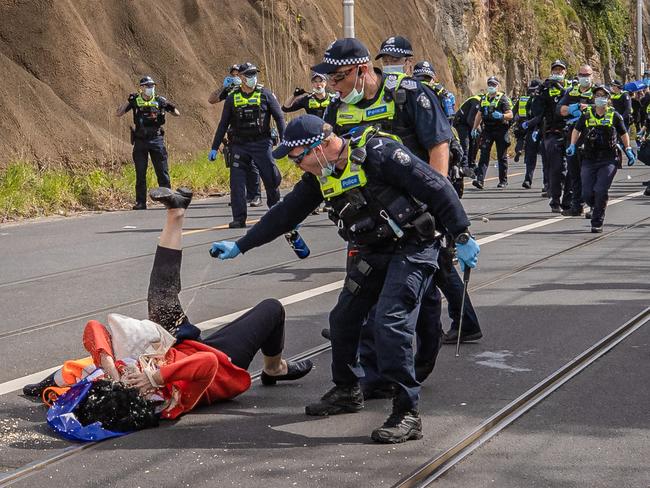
x=491, y=90
x=148, y=91
x=251, y=82
x=584, y=81
x=556, y=77
x=328, y=168
x=320, y=90
x=601, y=101
x=355, y=95
x=393, y=68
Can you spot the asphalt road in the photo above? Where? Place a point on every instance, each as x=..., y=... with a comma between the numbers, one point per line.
x=537, y=314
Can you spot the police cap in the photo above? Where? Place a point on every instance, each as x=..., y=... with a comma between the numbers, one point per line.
x=147, y=80
x=617, y=83
x=534, y=84
x=301, y=131
x=248, y=68
x=558, y=62
x=601, y=87
x=318, y=75
x=396, y=46
x=342, y=52
x=493, y=80
x=424, y=68
x=234, y=67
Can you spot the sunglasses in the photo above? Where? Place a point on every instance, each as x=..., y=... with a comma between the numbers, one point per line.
x=298, y=159
x=584, y=74
x=340, y=75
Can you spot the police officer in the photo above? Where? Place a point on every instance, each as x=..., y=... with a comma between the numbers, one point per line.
x=147, y=134
x=526, y=123
x=230, y=83
x=247, y=115
x=492, y=123
x=572, y=104
x=622, y=102
x=599, y=128
x=374, y=186
x=315, y=102
x=463, y=123
x=396, y=55
x=424, y=72
x=552, y=131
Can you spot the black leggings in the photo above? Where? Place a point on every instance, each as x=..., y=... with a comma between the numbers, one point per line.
x=261, y=328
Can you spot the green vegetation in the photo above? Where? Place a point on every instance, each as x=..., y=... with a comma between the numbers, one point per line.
x=26, y=191
x=609, y=23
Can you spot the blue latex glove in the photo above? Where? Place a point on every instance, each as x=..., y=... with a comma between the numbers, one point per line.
x=574, y=110
x=212, y=155
x=468, y=254
x=571, y=150
x=475, y=133
x=228, y=81
x=524, y=125
x=496, y=115
x=224, y=250
x=631, y=157
x=535, y=135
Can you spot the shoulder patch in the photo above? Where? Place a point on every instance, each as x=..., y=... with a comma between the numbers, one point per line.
x=408, y=84
x=400, y=156
x=391, y=82
x=424, y=101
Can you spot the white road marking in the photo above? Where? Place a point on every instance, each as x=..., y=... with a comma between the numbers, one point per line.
x=18, y=383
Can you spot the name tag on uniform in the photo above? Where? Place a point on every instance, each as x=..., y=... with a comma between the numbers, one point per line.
x=350, y=182
x=376, y=111
x=346, y=116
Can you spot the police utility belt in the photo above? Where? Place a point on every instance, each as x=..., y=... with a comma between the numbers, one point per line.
x=373, y=215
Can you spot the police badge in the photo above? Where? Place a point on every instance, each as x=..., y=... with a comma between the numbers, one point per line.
x=424, y=101
x=401, y=157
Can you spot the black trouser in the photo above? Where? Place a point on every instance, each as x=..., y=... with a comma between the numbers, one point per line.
x=555, y=156
x=532, y=149
x=597, y=177
x=500, y=137
x=573, y=181
x=469, y=145
x=253, y=184
x=261, y=328
x=142, y=149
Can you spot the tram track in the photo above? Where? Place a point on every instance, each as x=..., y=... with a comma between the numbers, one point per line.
x=436, y=467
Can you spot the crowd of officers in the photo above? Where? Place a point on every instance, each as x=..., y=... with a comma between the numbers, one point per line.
x=387, y=155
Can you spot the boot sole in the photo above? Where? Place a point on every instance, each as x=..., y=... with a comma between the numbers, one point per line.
x=412, y=435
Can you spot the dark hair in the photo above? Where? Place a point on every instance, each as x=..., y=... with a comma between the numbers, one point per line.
x=117, y=407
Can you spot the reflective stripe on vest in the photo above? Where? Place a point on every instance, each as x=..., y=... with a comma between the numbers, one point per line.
x=141, y=102
x=315, y=103
x=523, y=103
x=606, y=121
x=493, y=103
x=575, y=92
x=255, y=98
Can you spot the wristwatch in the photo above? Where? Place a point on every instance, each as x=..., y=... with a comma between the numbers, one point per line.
x=463, y=237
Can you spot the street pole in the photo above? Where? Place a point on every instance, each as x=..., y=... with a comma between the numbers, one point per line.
x=639, y=39
x=348, y=18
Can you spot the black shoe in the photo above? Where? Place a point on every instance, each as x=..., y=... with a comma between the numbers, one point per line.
x=573, y=212
x=236, y=224
x=646, y=183
x=517, y=156
x=423, y=369
x=478, y=184
x=255, y=202
x=36, y=389
x=597, y=229
x=180, y=198
x=526, y=184
x=326, y=334
x=140, y=206
x=556, y=209
x=502, y=184
x=400, y=426
x=468, y=172
x=544, y=194
x=647, y=192
x=588, y=214
x=451, y=337
x=340, y=399
x=295, y=370
x=372, y=392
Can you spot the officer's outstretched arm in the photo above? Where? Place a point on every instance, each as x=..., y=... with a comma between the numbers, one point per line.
x=122, y=109
x=477, y=120
x=575, y=135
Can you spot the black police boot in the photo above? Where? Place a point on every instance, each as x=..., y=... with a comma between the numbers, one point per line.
x=255, y=202
x=544, y=193
x=573, y=212
x=596, y=229
x=237, y=224
x=400, y=426
x=468, y=172
x=478, y=184
x=517, y=156
x=502, y=184
x=326, y=334
x=647, y=192
x=588, y=214
x=556, y=209
x=180, y=198
x=36, y=389
x=526, y=184
x=139, y=206
x=295, y=370
x=423, y=369
x=451, y=337
x=340, y=399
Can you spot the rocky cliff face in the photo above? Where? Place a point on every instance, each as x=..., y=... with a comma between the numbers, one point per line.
x=67, y=65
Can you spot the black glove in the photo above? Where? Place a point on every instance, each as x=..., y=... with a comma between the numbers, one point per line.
x=298, y=91
x=132, y=97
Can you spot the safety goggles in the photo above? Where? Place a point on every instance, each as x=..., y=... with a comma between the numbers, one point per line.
x=298, y=159
x=340, y=75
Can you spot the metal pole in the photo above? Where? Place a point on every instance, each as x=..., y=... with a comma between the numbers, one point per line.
x=348, y=18
x=639, y=38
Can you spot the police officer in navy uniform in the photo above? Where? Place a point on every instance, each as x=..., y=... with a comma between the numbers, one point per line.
x=528, y=125
x=571, y=106
x=149, y=111
x=598, y=128
x=551, y=130
x=246, y=115
x=622, y=102
x=424, y=72
x=492, y=123
x=463, y=123
x=384, y=200
x=230, y=82
x=315, y=102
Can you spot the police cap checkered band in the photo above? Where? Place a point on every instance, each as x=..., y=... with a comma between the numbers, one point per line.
x=423, y=68
x=342, y=52
x=558, y=62
x=301, y=131
x=397, y=46
x=493, y=80
x=304, y=142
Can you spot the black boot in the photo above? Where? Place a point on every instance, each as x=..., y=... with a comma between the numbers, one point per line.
x=400, y=426
x=340, y=399
x=36, y=389
x=451, y=337
x=181, y=198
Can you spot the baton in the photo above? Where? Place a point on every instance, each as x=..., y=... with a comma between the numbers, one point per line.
x=466, y=274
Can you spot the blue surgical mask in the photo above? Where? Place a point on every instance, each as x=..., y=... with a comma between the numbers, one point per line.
x=251, y=82
x=320, y=90
x=355, y=96
x=327, y=169
x=584, y=81
x=556, y=77
x=393, y=68
x=148, y=91
x=646, y=81
x=491, y=90
x=601, y=101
